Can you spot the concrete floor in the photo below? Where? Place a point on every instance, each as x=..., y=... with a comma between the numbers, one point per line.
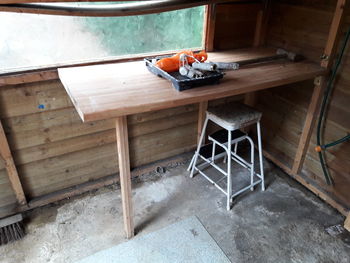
x=286, y=223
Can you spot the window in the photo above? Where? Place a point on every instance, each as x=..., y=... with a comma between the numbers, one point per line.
x=31, y=41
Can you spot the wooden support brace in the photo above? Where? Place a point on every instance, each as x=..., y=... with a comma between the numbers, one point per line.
x=259, y=29
x=250, y=99
x=209, y=27
x=262, y=21
x=11, y=168
x=320, y=84
x=124, y=173
x=203, y=106
x=310, y=120
x=347, y=222
x=333, y=35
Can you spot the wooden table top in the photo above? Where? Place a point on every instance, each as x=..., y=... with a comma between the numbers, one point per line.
x=112, y=90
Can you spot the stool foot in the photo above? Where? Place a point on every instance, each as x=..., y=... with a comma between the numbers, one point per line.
x=228, y=206
x=260, y=157
x=191, y=163
x=192, y=172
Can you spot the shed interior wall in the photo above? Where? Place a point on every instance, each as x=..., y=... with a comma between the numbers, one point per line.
x=54, y=150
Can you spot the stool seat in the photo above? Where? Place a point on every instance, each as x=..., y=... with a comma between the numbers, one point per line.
x=234, y=116
x=224, y=143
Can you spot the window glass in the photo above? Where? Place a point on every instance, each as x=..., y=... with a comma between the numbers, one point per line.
x=30, y=41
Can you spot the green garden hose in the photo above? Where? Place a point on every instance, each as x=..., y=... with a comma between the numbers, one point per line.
x=321, y=119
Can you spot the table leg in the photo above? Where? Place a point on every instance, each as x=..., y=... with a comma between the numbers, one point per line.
x=124, y=173
x=203, y=106
x=250, y=100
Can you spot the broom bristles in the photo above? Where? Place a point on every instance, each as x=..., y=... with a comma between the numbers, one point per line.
x=11, y=233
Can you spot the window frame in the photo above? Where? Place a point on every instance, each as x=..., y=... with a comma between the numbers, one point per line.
x=49, y=72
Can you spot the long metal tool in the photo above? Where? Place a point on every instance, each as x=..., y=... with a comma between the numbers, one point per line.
x=280, y=54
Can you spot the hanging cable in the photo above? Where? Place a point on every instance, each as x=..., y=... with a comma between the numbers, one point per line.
x=321, y=120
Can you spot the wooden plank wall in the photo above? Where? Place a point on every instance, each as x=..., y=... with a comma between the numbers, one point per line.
x=53, y=149
x=302, y=26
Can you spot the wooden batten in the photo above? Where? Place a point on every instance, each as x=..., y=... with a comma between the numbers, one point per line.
x=5, y=154
x=333, y=36
x=347, y=222
x=209, y=27
x=311, y=115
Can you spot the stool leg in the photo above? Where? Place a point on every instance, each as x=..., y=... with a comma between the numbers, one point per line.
x=213, y=153
x=251, y=163
x=199, y=146
x=229, y=179
x=260, y=157
x=235, y=150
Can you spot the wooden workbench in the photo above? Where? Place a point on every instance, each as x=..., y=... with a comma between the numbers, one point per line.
x=117, y=90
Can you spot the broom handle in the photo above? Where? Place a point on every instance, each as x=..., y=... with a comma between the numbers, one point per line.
x=6, y=155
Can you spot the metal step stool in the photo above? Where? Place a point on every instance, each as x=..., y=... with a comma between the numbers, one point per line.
x=231, y=118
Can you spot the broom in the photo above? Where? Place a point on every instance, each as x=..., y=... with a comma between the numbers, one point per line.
x=11, y=229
